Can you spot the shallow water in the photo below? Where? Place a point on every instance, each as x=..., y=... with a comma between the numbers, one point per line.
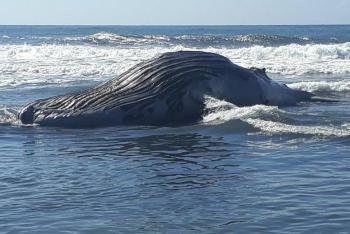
x=182, y=180
x=252, y=169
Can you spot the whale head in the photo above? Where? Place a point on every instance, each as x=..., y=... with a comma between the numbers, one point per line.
x=277, y=94
x=248, y=87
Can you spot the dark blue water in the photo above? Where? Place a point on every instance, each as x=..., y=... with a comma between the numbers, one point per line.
x=193, y=35
x=254, y=169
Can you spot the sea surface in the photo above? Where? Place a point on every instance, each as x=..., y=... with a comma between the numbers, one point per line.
x=259, y=169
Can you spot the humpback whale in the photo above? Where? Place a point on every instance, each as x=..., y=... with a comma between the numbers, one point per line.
x=166, y=90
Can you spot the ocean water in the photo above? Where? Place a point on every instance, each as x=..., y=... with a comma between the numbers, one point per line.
x=241, y=170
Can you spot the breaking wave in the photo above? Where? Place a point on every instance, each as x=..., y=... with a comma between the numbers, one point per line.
x=322, y=86
x=295, y=59
x=116, y=39
x=197, y=40
x=267, y=119
x=8, y=116
x=23, y=64
x=201, y=41
x=113, y=39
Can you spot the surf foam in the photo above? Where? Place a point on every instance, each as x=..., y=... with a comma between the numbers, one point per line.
x=268, y=119
x=21, y=64
x=8, y=115
x=322, y=86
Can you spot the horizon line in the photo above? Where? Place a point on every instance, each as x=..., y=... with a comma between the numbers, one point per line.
x=175, y=25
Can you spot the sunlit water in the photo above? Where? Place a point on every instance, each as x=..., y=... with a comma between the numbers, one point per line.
x=244, y=170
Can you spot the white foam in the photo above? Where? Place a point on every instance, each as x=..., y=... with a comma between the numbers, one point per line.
x=219, y=111
x=107, y=36
x=112, y=37
x=322, y=86
x=8, y=115
x=294, y=59
x=268, y=119
x=21, y=64
x=276, y=127
x=346, y=126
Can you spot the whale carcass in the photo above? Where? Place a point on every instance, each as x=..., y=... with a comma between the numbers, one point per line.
x=168, y=89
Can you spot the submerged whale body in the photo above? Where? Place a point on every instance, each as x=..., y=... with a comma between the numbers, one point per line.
x=168, y=89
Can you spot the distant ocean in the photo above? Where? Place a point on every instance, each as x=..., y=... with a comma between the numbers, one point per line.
x=240, y=170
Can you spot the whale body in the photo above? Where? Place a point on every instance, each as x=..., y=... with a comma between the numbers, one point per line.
x=168, y=89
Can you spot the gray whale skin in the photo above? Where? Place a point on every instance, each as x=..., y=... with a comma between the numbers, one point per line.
x=166, y=90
